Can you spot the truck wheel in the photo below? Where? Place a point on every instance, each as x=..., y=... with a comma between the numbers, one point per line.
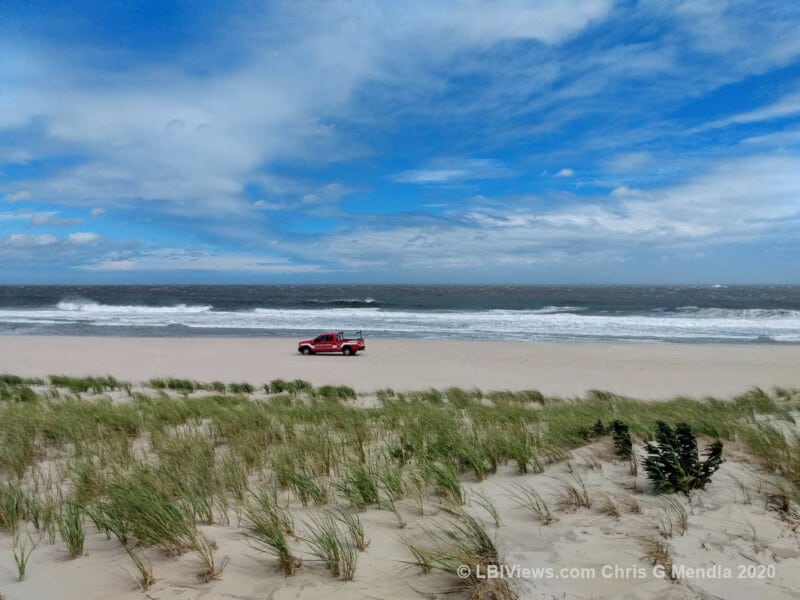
x=348, y=351
x=305, y=350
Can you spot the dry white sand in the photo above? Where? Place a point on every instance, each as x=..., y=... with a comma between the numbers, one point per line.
x=729, y=546
x=642, y=370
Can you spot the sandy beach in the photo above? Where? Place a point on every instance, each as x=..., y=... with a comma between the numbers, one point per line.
x=580, y=521
x=641, y=370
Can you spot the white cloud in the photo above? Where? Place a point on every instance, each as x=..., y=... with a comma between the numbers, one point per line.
x=328, y=193
x=565, y=173
x=741, y=200
x=51, y=219
x=630, y=162
x=97, y=212
x=182, y=259
x=111, y=265
x=18, y=196
x=447, y=170
x=82, y=238
x=25, y=240
x=785, y=107
x=191, y=142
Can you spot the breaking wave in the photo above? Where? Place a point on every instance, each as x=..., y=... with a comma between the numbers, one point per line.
x=549, y=323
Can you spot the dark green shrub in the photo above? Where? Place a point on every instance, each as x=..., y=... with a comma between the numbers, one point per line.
x=599, y=430
x=673, y=464
x=623, y=447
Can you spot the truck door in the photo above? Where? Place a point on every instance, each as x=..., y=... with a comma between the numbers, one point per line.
x=329, y=344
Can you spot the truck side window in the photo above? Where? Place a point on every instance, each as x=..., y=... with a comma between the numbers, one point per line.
x=319, y=338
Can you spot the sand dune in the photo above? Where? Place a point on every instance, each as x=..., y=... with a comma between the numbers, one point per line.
x=728, y=542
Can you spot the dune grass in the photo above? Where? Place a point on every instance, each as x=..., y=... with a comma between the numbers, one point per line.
x=462, y=540
x=150, y=471
x=73, y=529
x=22, y=550
x=268, y=526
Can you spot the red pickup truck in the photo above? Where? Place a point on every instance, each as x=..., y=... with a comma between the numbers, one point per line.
x=332, y=342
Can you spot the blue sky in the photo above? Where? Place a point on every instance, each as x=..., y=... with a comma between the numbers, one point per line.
x=541, y=141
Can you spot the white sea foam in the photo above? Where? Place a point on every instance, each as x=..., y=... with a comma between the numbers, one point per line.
x=548, y=323
x=89, y=307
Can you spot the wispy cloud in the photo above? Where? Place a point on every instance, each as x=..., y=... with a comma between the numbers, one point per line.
x=18, y=196
x=447, y=170
x=82, y=238
x=24, y=241
x=740, y=200
x=52, y=219
x=183, y=259
x=787, y=106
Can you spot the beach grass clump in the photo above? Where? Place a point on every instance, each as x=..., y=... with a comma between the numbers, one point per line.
x=22, y=550
x=461, y=398
x=18, y=440
x=78, y=385
x=73, y=529
x=355, y=529
x=9, y=379
x=483, y=500
x=267, y=527
x=776, y=449
x=284, y=466
x=12, y=507
x=390, y=476
x=521, y=446
x=499, y=398
x=673, y=515
x=186, y=386
x=525, y=496
x=210, y=570
x=17, y=392
x=87, y=480
x=241, y=388
x=145, y=576
x=657, y=553
x=324, y=542
x=187, y=470
x=462, y=542
x=296, y=386
x=673, y=464
x=233, y=477
x=446, y=482
x=574, y=494
x=359, y=485
x=308, y=489
x=335, y=542
x=332, y=393
x=136, y=505
x=429, y=396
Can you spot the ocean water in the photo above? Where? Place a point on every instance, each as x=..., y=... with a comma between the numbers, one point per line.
x=698, y=314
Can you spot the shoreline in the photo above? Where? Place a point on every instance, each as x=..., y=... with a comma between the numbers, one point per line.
x=643, y=370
